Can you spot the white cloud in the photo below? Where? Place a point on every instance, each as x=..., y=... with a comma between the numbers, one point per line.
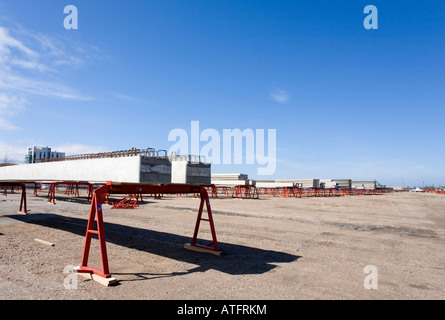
x=14, y=153
x=280, y=96
x=129, y=98
x=7, y=43
x=6, y=125
x=56, y=52
x=28, y=85
x=29, y=65
x=10, y=105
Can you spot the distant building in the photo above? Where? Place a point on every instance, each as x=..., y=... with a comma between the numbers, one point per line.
x=40, y=154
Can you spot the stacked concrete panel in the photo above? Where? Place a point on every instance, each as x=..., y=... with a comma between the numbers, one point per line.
x=238, y=178
x=343, y=183
x=231, y=179
x=230, y=176
x=370, y=185
x=273, y=184
x=306, y=183
x=328, y=184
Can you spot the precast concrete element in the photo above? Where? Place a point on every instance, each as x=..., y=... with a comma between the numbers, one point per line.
x=184, y=171
x=154, y=170
x=136, y=169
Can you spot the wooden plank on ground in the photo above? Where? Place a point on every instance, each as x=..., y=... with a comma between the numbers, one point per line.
x=45, y=242
x=199, y=249
x=103, y=281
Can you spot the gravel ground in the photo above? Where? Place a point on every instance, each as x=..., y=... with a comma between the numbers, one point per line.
x=274, y=248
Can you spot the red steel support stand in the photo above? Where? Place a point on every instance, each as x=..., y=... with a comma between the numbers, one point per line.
x=95, y=211
x=52, y=193
x=213, y=246
x=90, y=191
x=99, y=197
x=245, y=192
x=129, y=202
x=23, y=206
x=72, y=188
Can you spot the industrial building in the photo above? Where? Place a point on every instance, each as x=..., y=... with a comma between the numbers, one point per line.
x=41, y=154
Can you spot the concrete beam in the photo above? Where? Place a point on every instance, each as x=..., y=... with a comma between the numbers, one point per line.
x=134, y=169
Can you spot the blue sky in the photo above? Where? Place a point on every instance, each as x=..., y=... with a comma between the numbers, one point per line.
x=346, y=102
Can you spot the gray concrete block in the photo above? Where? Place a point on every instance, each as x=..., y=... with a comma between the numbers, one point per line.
x=184, y=171
x=155, y=170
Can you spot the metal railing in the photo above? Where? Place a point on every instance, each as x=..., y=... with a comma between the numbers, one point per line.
x=149, y=152
x=189, y=157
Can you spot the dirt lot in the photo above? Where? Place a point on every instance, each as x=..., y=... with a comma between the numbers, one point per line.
x=274, y=248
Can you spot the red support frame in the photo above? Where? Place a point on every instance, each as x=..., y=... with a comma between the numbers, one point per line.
x=291, y=192
x=213, y=245
x=23, y=205
x=52, y=193
x=129, y=202
x=71, y=188
x=226, y=191
x=99, y=197
x=245, y=192
x=96, y=212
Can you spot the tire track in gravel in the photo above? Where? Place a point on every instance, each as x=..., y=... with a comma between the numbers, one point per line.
x=351, y=226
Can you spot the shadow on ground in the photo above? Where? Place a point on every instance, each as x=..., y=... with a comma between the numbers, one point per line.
x=236, y=260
